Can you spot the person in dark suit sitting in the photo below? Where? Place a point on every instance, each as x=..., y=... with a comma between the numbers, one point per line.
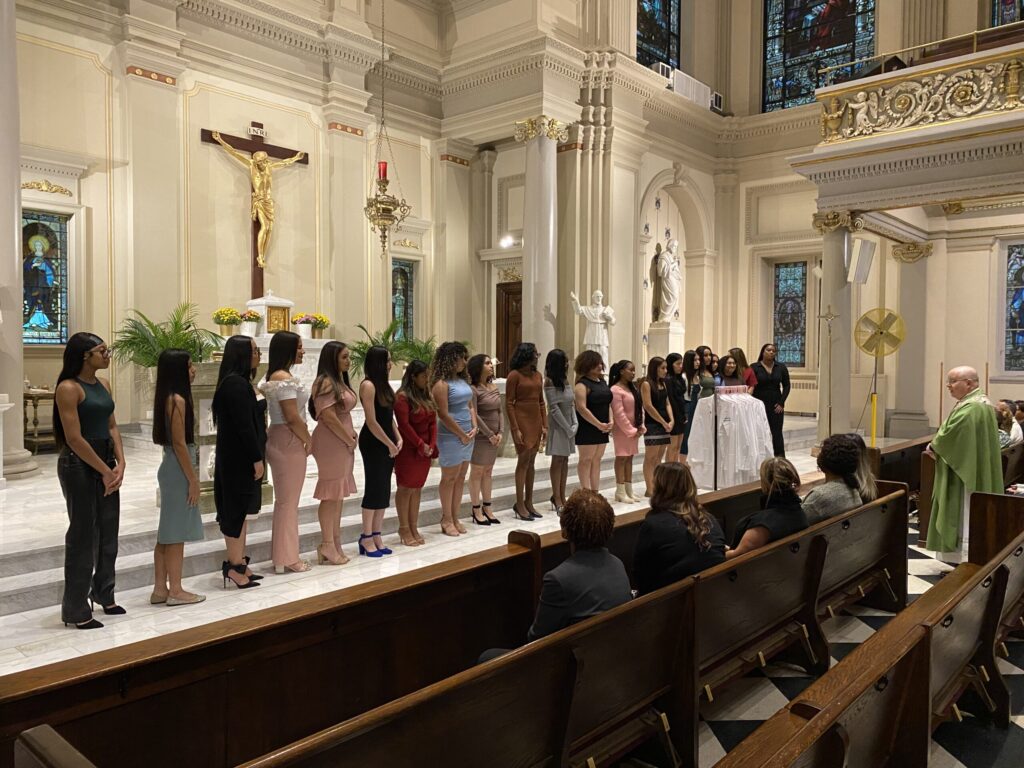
x=590, y=581
x=678, y=537
x=783, y=512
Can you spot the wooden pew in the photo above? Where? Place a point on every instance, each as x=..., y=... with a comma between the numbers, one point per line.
x=1013, y=465
x=900, y=462
x=43, y=747
x=897, y=686
x=598, y=710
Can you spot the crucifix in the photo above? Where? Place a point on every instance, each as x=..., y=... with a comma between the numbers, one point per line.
x=260, y=167
x=829, y=318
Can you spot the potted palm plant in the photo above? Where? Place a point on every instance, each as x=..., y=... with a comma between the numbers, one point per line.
x=388, y=338
x=141, y=340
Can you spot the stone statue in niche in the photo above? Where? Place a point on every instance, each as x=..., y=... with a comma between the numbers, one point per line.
x=668, y=283
x=599, y=317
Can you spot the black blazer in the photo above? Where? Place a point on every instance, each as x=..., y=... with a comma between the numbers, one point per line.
x=589, y=582
x=666, y=552
x=241, y=442
x=783, y=514
x=771, y=388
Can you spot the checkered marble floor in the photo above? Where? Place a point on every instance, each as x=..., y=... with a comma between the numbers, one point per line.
x=739, y=709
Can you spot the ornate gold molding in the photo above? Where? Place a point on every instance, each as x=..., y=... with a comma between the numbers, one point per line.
x=406, y=243
x=968, y=90
x=829, y=221
x=908, y=253
x=47, y=186
x=510, y=275
x=953, y=208
x=535, y=126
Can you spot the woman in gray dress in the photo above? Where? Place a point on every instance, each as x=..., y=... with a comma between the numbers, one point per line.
x=178, y=478
x=561, y=422
x=488, y=436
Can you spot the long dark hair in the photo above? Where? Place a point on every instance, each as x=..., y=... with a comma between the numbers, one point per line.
x=741, y=360
x=237, y=361
x=172, y=379
x=446, y=360
x=699, y=359
x=75, y=351
x=475, y=367
x=284, y=348
x=524, y=355
x=615, y=377
x=689, y=366
x=375, y=371
x=418, y=398
x=760, y=355
x=671, y=360
x=675, y=491
x=652, y=373
x=327, y=370
x=556, y=368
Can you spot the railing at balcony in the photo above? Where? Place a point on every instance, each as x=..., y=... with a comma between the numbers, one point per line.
x=929, y=93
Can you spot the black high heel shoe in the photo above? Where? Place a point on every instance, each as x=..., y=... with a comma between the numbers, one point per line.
x=90, y=624
x=534, y=514
x=252, y=576
x=476, y=519
x=114, y=610
x=526, y=518
x=226, y=567
x=491, y=520
x=554, y=506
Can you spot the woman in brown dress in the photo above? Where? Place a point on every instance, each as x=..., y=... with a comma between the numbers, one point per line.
x=524, y=402
x=488, y=437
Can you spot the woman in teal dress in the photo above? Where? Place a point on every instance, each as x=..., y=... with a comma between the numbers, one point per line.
x=178, y=477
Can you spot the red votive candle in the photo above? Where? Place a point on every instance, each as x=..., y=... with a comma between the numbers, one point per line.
x=382, y=169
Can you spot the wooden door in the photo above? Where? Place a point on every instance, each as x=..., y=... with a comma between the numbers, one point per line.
x=510, y=324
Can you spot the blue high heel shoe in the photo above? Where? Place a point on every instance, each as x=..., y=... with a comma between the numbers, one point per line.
x=383, y=549
x=363, y=550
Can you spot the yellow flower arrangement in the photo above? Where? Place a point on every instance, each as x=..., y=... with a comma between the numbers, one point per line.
x=315, y=319
x=227, y=316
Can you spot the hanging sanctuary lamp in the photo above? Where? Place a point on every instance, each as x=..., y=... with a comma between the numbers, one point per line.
x=384, y=211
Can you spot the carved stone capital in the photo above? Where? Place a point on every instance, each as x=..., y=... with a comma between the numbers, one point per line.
x=908, y=253
x=829, y=221
x=533, y=127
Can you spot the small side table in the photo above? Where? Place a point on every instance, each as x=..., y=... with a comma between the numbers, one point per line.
x=33, y=439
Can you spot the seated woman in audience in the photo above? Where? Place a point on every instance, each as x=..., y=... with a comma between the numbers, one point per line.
x=730, y=372
x=1016, y=433
x=678, y=537
x=838, y=459
x=782, y=515
x=865, y=475
x=1004, y=420
x=592, y=579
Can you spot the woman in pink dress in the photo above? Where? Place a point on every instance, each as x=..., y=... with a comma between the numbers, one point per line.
x=627, y=426
x=334, y=446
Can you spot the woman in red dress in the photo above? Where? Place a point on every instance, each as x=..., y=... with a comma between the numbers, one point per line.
x=417, y=422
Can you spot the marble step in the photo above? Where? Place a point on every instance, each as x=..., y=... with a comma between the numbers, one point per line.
x=39, y=581
x=503, y=486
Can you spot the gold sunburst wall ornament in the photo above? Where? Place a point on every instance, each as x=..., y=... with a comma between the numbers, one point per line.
x=385, y=211
x=47, y=186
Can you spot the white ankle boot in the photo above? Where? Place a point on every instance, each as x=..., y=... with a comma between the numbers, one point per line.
x=620, y=493
x=631, y=493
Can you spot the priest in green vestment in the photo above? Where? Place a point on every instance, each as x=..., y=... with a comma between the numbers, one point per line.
x=967, y=459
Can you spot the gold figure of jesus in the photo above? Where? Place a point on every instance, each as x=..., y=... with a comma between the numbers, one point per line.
x=260, y=167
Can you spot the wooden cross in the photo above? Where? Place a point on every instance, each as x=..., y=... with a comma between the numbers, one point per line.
x=256, y=143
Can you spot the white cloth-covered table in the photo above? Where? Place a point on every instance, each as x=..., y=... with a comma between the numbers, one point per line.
x=744, y=439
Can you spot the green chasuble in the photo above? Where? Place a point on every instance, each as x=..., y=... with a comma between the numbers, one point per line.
x=967, y=456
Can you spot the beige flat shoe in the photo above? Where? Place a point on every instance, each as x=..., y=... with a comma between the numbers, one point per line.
x=185, y=601
x=156, y=599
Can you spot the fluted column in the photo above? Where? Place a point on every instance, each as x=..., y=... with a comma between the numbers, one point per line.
x=17, y=462
x=836, y=228
x=924, y=21
x=540, y=228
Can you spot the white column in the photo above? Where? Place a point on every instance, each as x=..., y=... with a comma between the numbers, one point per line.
x=17, y=462
x=540, y=229
x=836, y=294
x=908, y=418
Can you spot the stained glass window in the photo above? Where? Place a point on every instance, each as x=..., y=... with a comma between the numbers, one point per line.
x=803, y=36
x=657, y=32
x=1007, y=12
x=789, y=313
x=44, y=255
x=1014, y=341
x=403, y=274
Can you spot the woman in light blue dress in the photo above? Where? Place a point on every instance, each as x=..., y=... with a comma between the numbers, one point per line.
x=178, y=476
x=456, y=429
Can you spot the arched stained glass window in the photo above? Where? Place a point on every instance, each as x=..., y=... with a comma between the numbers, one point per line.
x=44, y=257
x=804, y=36
x=657, y=32
x=1013, y=344
x=403, y=274
x=789, y=313
x=1007, y=12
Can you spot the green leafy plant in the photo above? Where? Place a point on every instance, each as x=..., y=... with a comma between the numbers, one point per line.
x=388, y=338
x=423, y=350
x=141, y=340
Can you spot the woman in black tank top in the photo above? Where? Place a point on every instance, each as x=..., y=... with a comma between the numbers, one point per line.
x=90, y=468
x=593, y=407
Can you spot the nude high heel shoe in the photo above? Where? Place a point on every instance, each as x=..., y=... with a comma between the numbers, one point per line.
x=620, y=494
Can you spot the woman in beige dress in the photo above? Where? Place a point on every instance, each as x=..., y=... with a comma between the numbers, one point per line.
x=488, y=437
